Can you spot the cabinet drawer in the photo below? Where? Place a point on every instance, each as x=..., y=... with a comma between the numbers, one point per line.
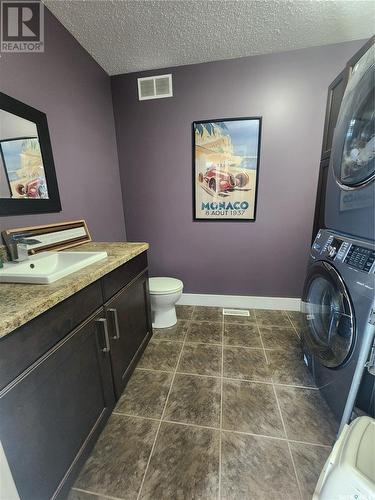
x=19, y=349
x=120, y=277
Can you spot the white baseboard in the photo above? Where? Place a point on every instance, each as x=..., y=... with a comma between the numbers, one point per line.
x=240, y=301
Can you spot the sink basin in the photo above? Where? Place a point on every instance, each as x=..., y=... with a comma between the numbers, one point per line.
x=47, y=267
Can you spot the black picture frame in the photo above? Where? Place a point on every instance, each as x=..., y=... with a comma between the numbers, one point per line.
x=218, y=120
x=17, y=206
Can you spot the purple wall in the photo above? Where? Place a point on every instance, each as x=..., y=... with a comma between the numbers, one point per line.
x=265, y=258
x=74, y=92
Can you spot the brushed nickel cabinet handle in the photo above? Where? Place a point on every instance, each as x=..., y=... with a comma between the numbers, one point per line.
x=104, y=328
x=115, y=320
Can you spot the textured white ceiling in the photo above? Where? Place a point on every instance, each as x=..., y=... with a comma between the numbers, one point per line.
x=133, y=35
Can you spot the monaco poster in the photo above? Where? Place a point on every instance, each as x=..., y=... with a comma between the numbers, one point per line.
x=226, y=168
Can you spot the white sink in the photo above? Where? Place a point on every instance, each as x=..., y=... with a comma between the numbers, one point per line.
x=47, y=267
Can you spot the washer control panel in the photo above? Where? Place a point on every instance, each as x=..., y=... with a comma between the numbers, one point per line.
x=332, y=248
x=360, y=258
x=346, y=251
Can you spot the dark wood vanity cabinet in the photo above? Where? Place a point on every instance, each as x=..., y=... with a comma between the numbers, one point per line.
x=67, y=377
x=55, y=410
x=128, y=316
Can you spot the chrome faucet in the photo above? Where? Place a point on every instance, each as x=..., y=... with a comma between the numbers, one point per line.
x=18, y=248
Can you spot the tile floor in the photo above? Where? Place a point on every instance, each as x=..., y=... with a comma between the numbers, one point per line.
x=218, y=408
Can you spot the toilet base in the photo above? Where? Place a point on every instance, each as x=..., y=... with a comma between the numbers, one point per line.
x=163, y=308
x=164, y=318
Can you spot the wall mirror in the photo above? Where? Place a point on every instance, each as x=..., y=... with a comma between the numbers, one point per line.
x=28, y=181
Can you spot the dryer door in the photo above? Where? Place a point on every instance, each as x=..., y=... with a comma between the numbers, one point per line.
x=354, y=142
x=329, y=329
x=350, y=195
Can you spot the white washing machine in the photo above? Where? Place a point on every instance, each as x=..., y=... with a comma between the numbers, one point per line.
x=350, y=194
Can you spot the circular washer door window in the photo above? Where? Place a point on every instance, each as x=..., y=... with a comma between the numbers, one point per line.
x=330, y=322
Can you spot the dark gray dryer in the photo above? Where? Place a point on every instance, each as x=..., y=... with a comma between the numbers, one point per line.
x=350, y=194
x=337, y=301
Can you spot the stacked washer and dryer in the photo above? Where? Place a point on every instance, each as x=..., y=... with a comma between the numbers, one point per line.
x=338, y=301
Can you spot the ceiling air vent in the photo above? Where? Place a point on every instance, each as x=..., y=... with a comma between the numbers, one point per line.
x=155, y=87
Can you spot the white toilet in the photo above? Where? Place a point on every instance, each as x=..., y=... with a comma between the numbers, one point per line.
x=164, y=293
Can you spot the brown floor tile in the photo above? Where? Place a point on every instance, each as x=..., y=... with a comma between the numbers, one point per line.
x=203, y=359
x=176, y=332
x=296, y=318
x=279, y=338
x=145, y=394
x=242, y=335
x=309, y=461
x=243, y=363
x=160, y=355
x=269, y=317
x=203, y=313
x=251, y=407
x=184, y=312
x=287, y=367
x=306, y=415
x=256, y=468
x=206, y=332
x=184, y=464
x=194, y=400
x=118, y=461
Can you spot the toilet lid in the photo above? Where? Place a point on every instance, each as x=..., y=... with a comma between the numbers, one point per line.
x=165, y=285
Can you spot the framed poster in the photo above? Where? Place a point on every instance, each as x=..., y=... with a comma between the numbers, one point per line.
x=226, y=169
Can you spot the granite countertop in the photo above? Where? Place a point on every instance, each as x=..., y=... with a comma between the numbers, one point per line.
x=19, y=303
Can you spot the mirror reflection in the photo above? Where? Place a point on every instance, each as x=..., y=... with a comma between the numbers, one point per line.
x=22, y=172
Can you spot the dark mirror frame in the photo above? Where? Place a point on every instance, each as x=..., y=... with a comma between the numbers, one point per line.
x=14, y=206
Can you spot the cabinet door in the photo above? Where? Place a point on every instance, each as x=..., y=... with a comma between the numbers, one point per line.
x=129, y=319
x=52, y=413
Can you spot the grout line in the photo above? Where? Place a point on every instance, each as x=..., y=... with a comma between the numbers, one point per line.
x=254, y=381
x=311, y=444
x=221, y=403
x=198, y=375
x=153, y=370
x=295, y=470
x=190, y=424
x=278, y=438
x=226, y=346
x=293, y=326
x=203, y=343
x=281, y=416
x=109, y=497
x=162, y=416
x=168, y=340
x=261, y=341
x=123, y=414
x=246, y=433
x=265, y=436
x=289, y=448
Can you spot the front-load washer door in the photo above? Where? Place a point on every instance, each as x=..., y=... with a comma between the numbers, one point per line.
x=328, y=323
x=351, y=190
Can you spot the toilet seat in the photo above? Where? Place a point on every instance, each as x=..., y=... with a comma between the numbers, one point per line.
x=164, y=286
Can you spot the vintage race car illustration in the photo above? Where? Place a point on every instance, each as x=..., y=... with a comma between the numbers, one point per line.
x=32, y=189
x=220, y=180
